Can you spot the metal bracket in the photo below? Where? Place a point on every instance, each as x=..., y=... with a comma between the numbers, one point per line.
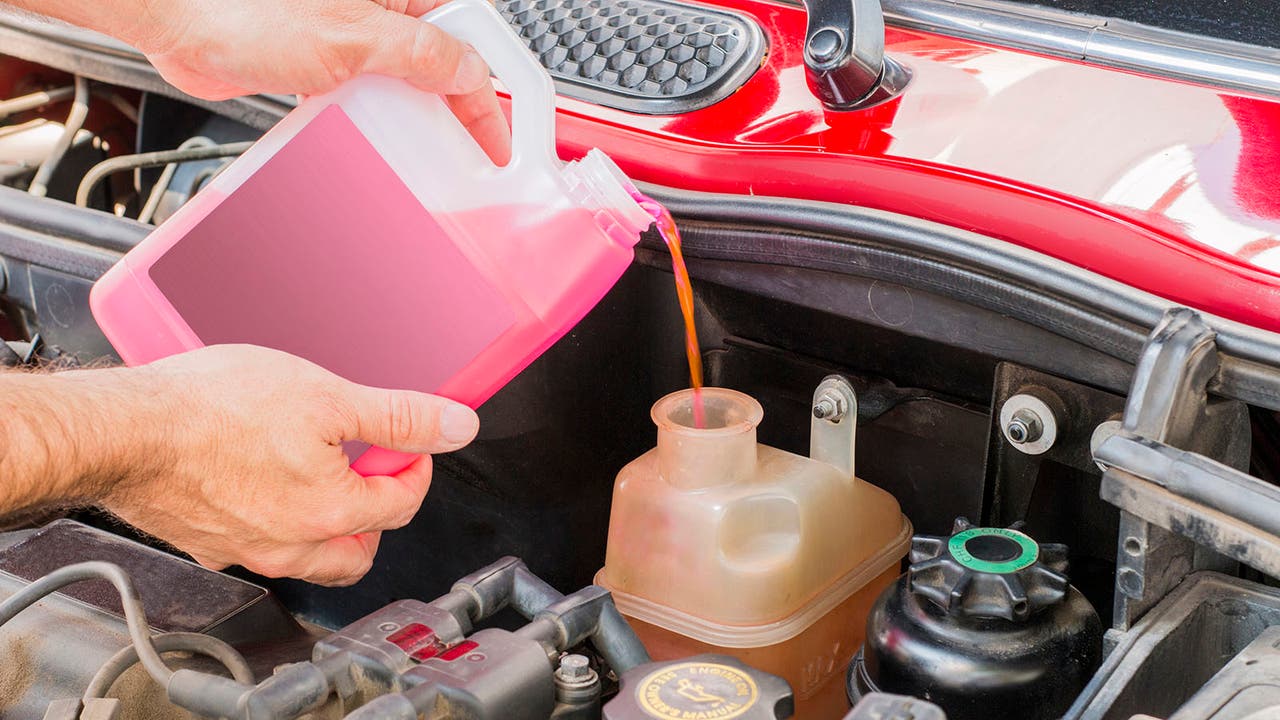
x=1180, y=507
x=1067, y=413
x=834, y=426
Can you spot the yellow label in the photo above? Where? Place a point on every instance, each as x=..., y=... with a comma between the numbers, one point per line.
x=697, y=691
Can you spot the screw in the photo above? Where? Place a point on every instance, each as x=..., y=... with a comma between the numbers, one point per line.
x=1024, y=427
x=830, y=406
x=388, y=627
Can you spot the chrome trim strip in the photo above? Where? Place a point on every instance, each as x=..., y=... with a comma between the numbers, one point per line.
x=1094, y=39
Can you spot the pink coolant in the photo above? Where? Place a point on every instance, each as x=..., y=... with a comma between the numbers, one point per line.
x=359, y=278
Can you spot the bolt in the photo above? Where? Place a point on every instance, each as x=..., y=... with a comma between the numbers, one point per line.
x=1024, y=427
x=830, y=406
x=576, y=682
x=574, y=667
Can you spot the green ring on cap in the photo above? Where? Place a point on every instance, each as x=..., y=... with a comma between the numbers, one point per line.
x=1028, y=555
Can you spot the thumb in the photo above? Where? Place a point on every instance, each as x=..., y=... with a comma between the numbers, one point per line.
x=408, y=421
x=428, y=57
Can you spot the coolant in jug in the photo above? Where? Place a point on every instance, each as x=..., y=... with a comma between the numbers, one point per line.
x=369, y=233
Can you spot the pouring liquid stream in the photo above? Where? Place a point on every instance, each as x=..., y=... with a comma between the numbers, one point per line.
x=684, y=292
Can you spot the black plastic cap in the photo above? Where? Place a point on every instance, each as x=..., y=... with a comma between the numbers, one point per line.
x=988, y=572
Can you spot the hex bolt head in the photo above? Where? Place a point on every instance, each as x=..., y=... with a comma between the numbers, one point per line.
x=575, y=669
x=830, y=406
x=1025, y=427
x=1029, y=424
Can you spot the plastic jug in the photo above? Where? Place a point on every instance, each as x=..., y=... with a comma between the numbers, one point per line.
x=368, y=233
x=720, y=544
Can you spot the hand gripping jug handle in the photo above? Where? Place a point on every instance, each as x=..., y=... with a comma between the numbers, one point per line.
x=533, y=110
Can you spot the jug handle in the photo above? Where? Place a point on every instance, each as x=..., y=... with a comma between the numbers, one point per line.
x=533, y=109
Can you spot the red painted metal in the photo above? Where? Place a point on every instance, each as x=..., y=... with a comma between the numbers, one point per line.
x=1170, y=187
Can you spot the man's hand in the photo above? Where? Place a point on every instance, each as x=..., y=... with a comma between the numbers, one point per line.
x=233, y=454
x=216, y=49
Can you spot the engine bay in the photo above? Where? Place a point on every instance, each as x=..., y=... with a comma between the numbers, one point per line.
x=980, y=482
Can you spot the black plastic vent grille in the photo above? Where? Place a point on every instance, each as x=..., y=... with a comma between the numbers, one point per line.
x=645, y=56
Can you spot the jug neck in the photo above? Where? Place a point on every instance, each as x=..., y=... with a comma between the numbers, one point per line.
x=706, y=437
x=601, y=186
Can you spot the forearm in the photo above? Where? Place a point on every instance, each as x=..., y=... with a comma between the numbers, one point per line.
x=142, y=23
x=71, y=438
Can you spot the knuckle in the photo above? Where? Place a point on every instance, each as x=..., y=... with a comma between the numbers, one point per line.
x=271, y=566
x=364, y=566
x=346, y=52
x=331, y=408
x=403, y=416
x=331, y=521
x=327, y=572
x=342, y=68
x=418, y=476
x=432, y=54
x=404, y=516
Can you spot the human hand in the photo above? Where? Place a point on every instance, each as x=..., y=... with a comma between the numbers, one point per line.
x=252, y=472
x=216, y=49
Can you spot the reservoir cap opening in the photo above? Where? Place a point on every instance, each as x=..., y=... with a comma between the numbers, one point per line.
x=723, y=412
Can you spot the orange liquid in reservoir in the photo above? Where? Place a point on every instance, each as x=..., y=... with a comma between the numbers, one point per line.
x=684, y=292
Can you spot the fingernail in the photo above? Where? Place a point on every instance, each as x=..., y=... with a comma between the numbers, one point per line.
x=458, y=424
x=472, y=72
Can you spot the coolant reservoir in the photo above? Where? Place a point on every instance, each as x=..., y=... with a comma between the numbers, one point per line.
x=720, y=544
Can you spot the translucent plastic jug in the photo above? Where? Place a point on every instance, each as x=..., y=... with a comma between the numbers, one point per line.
x=720, y=544
x=369, y=233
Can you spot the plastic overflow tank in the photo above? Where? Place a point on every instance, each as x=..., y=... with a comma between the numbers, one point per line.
x=369, y=233
x=720, y=544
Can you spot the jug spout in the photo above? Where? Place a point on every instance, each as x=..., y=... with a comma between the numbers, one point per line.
x=718, y=450
x=600, y=185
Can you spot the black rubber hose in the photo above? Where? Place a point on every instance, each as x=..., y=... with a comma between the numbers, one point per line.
x=45, y=216
x=134, y=614
x=199, y=643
